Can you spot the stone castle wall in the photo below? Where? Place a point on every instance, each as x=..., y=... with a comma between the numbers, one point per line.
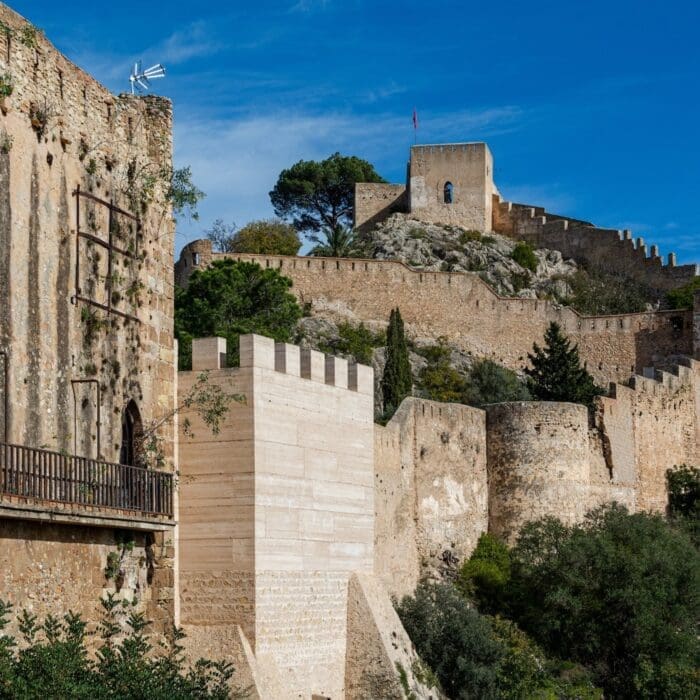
x=278, y=509
x=609, y=250
x=431, y=489
x=466, y=311
x=375, y=202
x=61, y=130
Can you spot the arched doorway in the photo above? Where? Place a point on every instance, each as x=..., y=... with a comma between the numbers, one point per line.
x=132, y=429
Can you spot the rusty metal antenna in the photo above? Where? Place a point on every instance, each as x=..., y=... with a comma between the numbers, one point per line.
x=140, y=79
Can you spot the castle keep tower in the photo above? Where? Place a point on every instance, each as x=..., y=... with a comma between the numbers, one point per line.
x=450, y=184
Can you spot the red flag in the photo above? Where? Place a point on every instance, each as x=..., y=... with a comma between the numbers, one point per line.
x=415, y=118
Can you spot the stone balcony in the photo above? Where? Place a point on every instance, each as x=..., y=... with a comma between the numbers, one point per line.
x=38, y=484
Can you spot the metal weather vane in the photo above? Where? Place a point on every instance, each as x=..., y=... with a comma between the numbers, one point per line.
x=140, y=79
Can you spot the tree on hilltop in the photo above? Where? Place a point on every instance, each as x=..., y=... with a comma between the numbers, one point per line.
x=397, y=381
x=318, y=196
x=556, y=373
x=263, y=237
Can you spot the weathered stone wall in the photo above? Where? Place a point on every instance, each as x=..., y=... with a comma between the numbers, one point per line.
x=374, y=202
x=469, y=168
x=466, y=311
x=430, y=489
x=60, y=130
x=51, y=569
x=278, y=509
x=609, y=250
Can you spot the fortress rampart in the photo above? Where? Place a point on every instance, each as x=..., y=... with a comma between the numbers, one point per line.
x=465, y=310
x=609, y=250
x=85, y=328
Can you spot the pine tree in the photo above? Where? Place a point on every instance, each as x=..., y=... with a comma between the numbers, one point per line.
x=556, y=373
x=396, y=381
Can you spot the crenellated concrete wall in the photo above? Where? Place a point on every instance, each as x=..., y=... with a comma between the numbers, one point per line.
x=278, y=509
x=465, y=310
x=609, y=250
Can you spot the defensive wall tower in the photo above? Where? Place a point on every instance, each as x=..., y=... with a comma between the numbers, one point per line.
x=86, y=345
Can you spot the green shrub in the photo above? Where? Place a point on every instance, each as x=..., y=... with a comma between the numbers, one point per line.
x=682, y=297
x=52, y=660
x=467, y=236
x=266, y=237
x=524, y=255
x=683, y=485
x=597, y=293
x=486, y=573
x=488, y=240
x=519, y=280
x=357, y=341
x=618, y=593
x=232, y=298
x=490, y=382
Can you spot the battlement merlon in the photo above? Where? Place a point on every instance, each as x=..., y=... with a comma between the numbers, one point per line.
x=259, y=352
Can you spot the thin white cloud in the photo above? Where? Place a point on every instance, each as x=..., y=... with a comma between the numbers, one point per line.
x=237, y=162
x=192, y=41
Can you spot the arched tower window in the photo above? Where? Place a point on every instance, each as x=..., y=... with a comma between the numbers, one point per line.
x=448, y=192
x=132, y=429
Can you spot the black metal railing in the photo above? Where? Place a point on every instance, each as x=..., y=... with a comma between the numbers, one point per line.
x=52, y=476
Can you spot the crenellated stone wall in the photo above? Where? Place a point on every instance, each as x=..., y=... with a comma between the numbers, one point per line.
x=465, y=310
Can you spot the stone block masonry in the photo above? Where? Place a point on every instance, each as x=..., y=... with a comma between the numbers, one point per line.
x=465, y=310
x=278, y=509
x=608, y=250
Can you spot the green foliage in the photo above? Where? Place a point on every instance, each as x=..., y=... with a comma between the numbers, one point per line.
x=524, y=255
x=485, y=575
x=232, y=298
x=221, y=235
x=596, y=293
x=182, y=193
x=336, y=242
x=397, y=381
x=53, y=660
x=490, y=382
x=357, y=341
x=486, y=382
x=7, y=86
x=268, y=237
x=318, y=196
x=475, y=656
x=468, y=236
x=618, y=593
x=556, y=373
x=683, y=484
x=682, y=297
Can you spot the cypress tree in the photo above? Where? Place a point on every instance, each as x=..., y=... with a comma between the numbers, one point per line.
x=396, y=380
x=556, y=373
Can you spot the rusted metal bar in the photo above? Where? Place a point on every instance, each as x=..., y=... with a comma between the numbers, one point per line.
x=88, y=195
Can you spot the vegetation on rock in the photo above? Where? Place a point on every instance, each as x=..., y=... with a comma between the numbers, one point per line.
x=682, y=298
x=524, y=255
x=232, y=298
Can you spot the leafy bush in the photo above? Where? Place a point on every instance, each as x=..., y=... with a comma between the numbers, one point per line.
x=267, y=237
x=599, y=293
x=52, y=660
x=357, y=341
x=618, y=593
x=467, y=236
x=490, y=382
x=232, y=298
x=485, y=574
x=683, y=484
x=524, y=255
x=475, y=656
x=682, y=298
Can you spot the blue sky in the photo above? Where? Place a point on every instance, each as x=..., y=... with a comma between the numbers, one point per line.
x=591, y=109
